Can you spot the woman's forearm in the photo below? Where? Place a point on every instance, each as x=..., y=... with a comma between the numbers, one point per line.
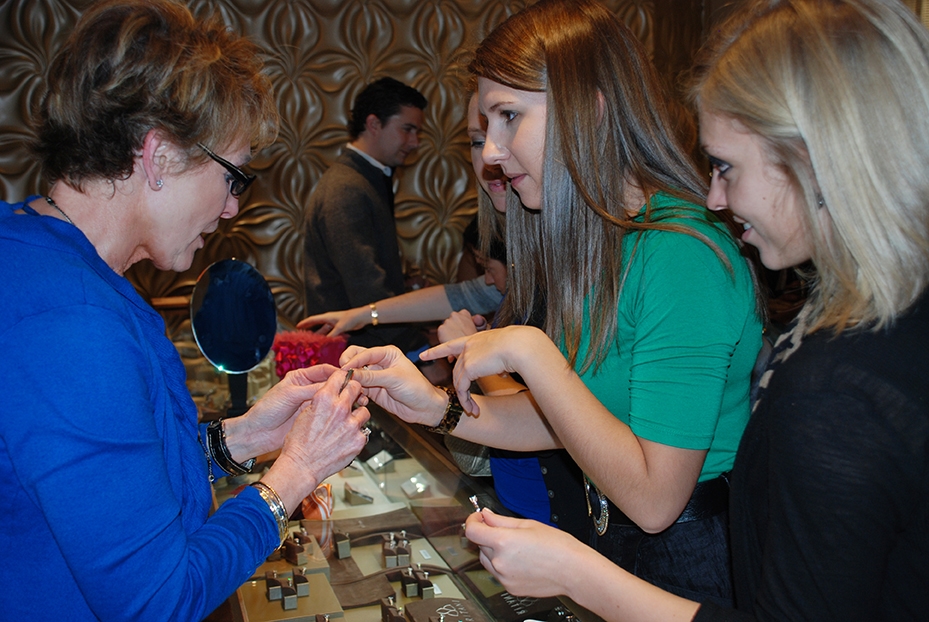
x=650, y=482
x=532, y=559
x=429, y=304
x=508, y=422
x=597, y=584
x=499, y=384
x=245, y=441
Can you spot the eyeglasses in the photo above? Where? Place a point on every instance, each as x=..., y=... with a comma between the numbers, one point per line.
x=240, y=179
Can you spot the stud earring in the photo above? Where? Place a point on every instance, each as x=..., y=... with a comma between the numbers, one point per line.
x=160, y=183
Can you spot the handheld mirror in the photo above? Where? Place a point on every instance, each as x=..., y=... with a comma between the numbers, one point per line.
x=233, y=316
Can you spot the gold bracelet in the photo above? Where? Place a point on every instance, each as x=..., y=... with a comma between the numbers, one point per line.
x=277, y=508
x=373, y=314
x=452, y=414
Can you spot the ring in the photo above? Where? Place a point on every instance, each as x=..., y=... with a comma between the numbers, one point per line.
x=367, y=433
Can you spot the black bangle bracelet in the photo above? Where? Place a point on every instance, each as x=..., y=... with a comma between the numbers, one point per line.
x=452, y=414
x=219, y=451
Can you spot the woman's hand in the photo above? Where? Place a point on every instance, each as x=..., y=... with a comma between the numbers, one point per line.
x=494, y=352
x=325, y=436
x=327, y=433
x=335, y=323
x=532, y=559
x=527, y=557
x=264, y=426
x=461, y=324
x=393, y=381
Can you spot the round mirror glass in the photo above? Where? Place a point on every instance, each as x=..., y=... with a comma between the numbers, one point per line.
x=233, y=316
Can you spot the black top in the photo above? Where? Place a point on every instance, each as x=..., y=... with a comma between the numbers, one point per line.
x=830, y=489
x=351, y=252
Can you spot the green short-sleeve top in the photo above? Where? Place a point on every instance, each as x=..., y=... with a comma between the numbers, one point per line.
x=688, y=335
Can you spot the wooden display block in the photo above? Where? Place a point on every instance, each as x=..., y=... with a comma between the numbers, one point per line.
x=315, y=561
x=322, y=601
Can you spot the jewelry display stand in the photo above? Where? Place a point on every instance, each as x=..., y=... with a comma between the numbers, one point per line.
x=401, y=556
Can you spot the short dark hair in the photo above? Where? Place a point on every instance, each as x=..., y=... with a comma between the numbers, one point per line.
x=495, y=247
x=382, y=98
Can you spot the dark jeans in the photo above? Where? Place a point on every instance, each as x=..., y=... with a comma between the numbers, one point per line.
x=688, y=559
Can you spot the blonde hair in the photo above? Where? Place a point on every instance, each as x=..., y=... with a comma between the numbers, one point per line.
x=131, y=66
x=839, y=91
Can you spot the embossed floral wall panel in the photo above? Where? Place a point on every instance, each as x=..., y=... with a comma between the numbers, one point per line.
x=319, y=54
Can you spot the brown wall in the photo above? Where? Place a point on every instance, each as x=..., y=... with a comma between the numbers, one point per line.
x=319, y=54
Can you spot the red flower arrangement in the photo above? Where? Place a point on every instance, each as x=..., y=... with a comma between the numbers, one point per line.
x=301, y=348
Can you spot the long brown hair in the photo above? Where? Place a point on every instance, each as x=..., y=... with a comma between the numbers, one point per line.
x=608, y=126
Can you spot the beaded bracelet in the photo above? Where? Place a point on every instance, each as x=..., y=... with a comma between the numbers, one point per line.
x=219, y=451
x=277, y=507
x=452, y=414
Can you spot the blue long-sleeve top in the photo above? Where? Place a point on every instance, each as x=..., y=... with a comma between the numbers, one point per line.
x=104, y=490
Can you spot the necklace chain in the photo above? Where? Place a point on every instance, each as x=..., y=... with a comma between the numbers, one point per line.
x=51, y=202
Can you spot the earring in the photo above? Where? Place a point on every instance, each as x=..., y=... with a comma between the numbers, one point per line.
x=820, y=201
x=160, y=183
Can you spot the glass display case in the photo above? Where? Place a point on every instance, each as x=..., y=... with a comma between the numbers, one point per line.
x=381, y=540
x=384, y=540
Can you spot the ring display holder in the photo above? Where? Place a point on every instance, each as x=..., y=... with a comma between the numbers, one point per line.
x=393, y=548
